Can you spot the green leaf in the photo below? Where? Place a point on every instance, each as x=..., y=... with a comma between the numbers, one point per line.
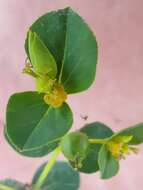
x=94, y=130
x=135, y=131
x=41, y=58
x=61, y=177
x=74, y=50
x=32, y=126
x=11, y=184
x=51, y=29
x=38, y=152
x=108, y=165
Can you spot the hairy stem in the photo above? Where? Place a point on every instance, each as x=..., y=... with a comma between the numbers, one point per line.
x=5, y=187
x=47, y=168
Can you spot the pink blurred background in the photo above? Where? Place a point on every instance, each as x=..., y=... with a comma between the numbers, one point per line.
x=116, y=97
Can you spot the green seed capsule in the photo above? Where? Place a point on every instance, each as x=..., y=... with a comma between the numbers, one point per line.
x=75, y=146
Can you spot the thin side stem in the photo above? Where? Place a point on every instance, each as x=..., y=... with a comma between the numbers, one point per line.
x=98, y=141
x=4, y=187
x=47, y=168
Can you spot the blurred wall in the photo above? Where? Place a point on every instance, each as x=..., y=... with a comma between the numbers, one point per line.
x=116, y=97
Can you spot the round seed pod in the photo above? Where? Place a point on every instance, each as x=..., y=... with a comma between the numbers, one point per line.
x=75, y=147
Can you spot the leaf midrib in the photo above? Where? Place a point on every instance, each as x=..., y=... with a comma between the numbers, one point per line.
x=30, y=149
x=37, y=125
x=34, y=148
x=65, y=49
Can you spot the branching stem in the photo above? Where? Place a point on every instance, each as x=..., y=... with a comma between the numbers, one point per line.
x=47, y=168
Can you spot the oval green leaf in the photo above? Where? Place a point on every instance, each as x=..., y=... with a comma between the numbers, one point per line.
x=94, y=130
x=31, y=125
x=108, y=165
x=74, y=50
x=61, y=177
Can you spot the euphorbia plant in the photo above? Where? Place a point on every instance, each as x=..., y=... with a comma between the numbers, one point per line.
x=62, y=57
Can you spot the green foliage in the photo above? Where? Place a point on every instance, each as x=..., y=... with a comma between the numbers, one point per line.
x=108, y=165
x=62, y=58
x=75, y=51
x=32, y=125
x=56, y=58
x=75, y=147
x=95, y=130
x=61, y=177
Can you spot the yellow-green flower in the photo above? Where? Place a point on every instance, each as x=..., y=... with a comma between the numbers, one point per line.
x=119, y=146
x=57, y=96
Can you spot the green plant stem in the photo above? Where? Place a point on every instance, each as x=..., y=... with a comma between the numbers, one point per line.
x=47, y=168
x=98, y=141
x=4, y=187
